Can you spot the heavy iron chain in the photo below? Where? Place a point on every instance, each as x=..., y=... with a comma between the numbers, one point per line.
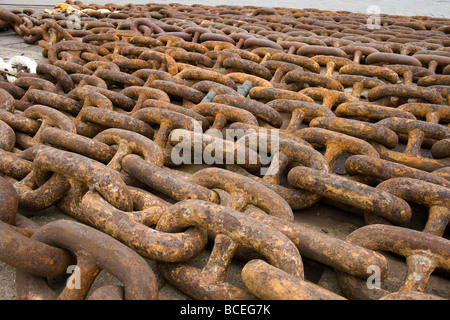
x=93, y=131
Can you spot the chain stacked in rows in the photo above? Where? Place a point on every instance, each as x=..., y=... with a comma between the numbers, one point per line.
x=94, y=130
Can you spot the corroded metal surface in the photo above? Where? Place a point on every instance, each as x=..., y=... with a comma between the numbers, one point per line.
x=289, y=109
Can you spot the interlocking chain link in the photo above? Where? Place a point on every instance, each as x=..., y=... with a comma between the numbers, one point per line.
x=169, y=132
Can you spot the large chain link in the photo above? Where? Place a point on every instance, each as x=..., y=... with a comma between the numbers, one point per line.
x=287, y=109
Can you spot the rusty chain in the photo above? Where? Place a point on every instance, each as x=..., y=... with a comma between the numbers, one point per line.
x=286, y=108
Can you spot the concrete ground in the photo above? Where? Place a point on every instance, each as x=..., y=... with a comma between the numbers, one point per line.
x=322, y=217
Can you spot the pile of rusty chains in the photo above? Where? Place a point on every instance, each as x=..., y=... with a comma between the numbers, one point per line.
x=91, y=132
